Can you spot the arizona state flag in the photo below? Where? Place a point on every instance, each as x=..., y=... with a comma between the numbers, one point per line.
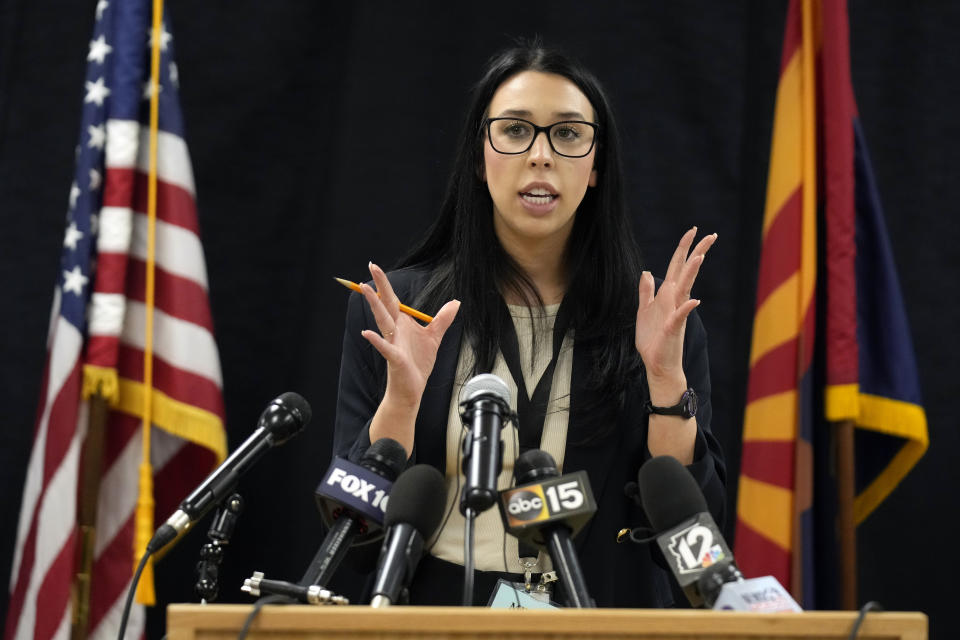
x=830, y=336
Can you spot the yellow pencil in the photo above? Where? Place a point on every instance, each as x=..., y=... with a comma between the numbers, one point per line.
x=410, y=311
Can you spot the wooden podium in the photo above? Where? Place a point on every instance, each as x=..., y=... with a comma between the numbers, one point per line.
x=304, y=622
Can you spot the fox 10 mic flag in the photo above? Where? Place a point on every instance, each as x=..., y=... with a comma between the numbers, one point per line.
x=830, y=336
x=130, y=332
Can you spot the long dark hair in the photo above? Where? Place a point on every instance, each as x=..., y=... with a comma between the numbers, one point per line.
x=603, y=264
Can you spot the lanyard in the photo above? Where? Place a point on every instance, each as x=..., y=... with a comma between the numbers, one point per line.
x=531, y=410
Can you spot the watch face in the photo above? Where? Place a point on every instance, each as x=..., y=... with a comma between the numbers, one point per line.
x=689, y=403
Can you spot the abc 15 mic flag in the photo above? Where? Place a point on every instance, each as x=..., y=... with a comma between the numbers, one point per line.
x=529, y=509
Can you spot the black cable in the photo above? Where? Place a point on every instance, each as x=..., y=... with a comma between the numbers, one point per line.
x=870, y=606
x=468, y=534
x=513, y=483
x=133, y=589
x=637, y=530
x=456, y=495
x=468, y=517
x=516, y=450
x=245, y=629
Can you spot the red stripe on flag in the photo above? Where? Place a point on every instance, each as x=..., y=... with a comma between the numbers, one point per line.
x=757, y=555
x=780, y=255
x=121, y=427
x=179, y=384
x=174, y=204
x=111, y=272
x=793, y=34
x=768, y=461
x=53, y=597
x=19, y=593
x=171, y=484
x=111, y=573
x=118, y=188
x=42, y=397
x=128, y=188
x=174, y=295
x=102, y=351
x=774, y=372
x=62, y=423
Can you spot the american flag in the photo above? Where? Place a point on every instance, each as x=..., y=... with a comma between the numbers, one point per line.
x=97, y=340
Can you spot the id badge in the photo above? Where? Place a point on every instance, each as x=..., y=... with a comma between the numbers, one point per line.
x=514, y=595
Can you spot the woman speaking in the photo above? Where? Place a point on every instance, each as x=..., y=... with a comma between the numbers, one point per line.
x=532, y=273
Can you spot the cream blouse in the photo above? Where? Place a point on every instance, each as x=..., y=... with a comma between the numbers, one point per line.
x=491, y=543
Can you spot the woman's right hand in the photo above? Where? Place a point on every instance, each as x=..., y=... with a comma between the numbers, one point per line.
x=409, y=348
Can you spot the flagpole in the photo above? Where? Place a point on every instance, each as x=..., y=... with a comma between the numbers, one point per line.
x=846, y=528
x=88, y=499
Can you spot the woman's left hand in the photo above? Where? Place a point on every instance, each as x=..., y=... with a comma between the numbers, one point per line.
x=662, y=314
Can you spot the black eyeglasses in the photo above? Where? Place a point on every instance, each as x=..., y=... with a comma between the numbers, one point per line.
x=569, y=138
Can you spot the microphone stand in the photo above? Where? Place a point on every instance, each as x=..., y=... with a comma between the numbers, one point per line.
x=479, y=492
x=468, y=532
x=333, y=550
x=211, y=555
x=564, y=557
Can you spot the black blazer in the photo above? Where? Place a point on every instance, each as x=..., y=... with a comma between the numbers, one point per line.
x=617, y=575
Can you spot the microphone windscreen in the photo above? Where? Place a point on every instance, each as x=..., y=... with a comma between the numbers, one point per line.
x=486, y=383
x=296, y=403
x=534, y=464
x=286, y=416
x=669, y=493
x=417, y=498
x=387, y=455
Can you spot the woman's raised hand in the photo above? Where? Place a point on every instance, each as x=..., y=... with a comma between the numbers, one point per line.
x=409, y=348
x=662, y=314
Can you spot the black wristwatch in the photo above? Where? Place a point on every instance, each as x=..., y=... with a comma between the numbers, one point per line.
x=686, y=408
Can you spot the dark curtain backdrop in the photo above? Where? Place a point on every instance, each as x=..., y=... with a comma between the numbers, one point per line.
x=321, y=136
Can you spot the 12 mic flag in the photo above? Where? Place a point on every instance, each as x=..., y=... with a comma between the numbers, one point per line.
x=830, y=335
x=115, y=336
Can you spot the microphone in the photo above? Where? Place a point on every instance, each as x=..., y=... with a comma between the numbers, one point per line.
x=352, y=500
x=693, y=546
x=548, y=510
x=413, y=514
x=686, y=532
x=724, y=588
x=283, y=418
x=485, y=401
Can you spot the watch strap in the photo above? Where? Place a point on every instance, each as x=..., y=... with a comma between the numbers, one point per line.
x=686, y=407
